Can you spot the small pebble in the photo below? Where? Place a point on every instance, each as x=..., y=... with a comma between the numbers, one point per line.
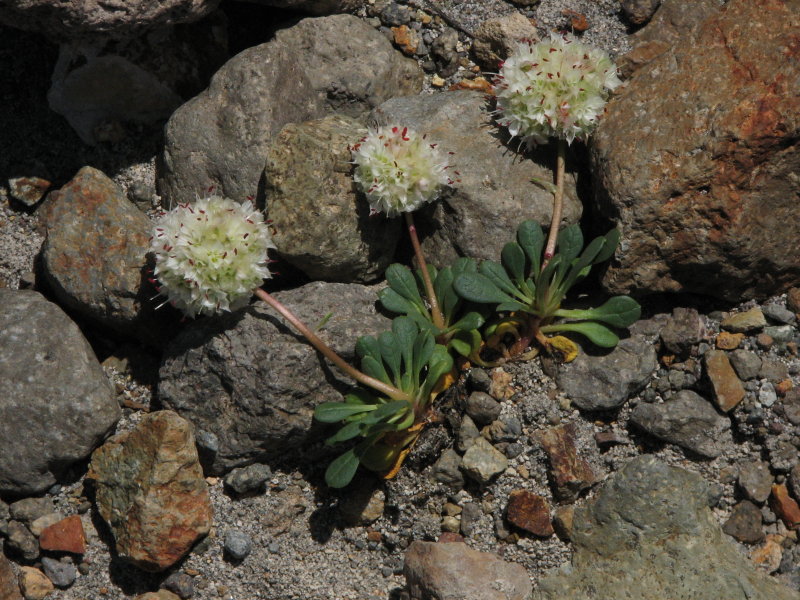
x=237, y=545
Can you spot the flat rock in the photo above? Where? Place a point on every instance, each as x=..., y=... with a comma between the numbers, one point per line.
x=606, y=381
x=496, y=38
x=34, y=584
x=94, y=257
x=9, y=589
x=151, y=491
x=649, y=534
x=482, y=461
x=330, y=64
x=65, y=536
x=494, y=192
x=249, y=379
x=530, y=512
x=785, y=506
x=744, y=524
x=322, y=224
x=691, y=160
x=569, y=473
x=755, y=480
x=687, y=420
x=727, y=389
x=745, y=322
x=453, y=571
x=53, y=394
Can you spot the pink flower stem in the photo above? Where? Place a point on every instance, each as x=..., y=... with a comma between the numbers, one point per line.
x=558, y=203
x=327, y=351
x=436, y=313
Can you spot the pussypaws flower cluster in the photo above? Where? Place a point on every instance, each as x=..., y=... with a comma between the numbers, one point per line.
x=398, y=170
x=211, y=255
x=556, y=88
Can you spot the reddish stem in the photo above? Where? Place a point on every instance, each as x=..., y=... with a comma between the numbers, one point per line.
x=558, y=203
x=436, y=313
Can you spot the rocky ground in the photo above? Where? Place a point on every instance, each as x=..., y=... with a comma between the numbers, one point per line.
x=706, y=385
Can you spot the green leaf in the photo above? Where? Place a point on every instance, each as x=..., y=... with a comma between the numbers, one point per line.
x=445, y=294
x=471, y=320
x=406, y=331
x=390, y=352
x=341, y=471
x=386, y=411
x=359, y=395
x=569, y=243
x=379, y=457
x=423, y=350
x=497, y=275
x=514, y=261
x=332, y=412
x=531, y=237
x=464, y=265
x=402, y=281
x=465, y=342
x=619, y=311
x=478, y=288
x=463, y=348
x=583, y=263
x=612, y=241
x=374, y=368
x=367, y=345
x=598, y=334
x=440, y=363
x=348, y=432
x=394, y=302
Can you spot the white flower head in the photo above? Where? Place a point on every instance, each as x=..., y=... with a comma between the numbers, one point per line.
x=556, y=88
x=398, y=170
x=211, y=255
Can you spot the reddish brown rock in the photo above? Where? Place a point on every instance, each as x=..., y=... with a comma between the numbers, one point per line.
x=406, y=39
x=9, y=588
x=744, y=524
x=729, y=341
x=728, y=389
x=563, y=520
x=65, y=536
x=151, y=491
x=696, y=161
x=530, y=512
x=793, y=299
x=457, y=572
x=570, y=473
x=448, y=537
x=785, y=506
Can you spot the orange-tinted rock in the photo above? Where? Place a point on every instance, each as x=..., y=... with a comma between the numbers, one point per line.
x=9, y=588
x=406, y=38
x=530, y=512
x=151, y=491
x=783, y=387
x=570, y=473
x=479, y=84
x=729, y=341
x=785, y=506
x=767, y=556
x=728, y=389
x=34, y=584
x=65, y=536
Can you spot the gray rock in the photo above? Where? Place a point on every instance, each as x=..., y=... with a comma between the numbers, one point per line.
x=9, y=588
x=794, y=481
x=649, y=534
x=482, y=461
x=467, y=432
x=453, y=571
x=53, y=394
x=684, y=329
x=470, y=516
x=30, y=509
x=447, y=469
x=62, y=574
x=19, y=539
x=744, y=523
x=309, y=173
x=507, y=429
x=688, y=420
x=315, y=7
x=481, y=212
x=706, y=225
x=607, y=381
x=780, y=333
x=496, y=38
x=180, y=584
x=318, y=66
x=94, y=257
x=767, y=396
x=482, y=408
x=251, y=479
x=783, y=454
x=253, y=382
x=70, y=20
x=444, y=52
x=747, y=364
x=237, y=545
x=479, y=380
x=394, y=15
x=778, y=314
x=755, y=480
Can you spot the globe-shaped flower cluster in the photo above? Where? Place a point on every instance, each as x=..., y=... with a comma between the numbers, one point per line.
x=211, y=255
x=398, y=170
x=556, y=88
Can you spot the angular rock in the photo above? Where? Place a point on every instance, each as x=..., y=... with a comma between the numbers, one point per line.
x=482, y=461
x=453, y=571
x=94, y=257
x=778, y=314
x=467, y=432
x=34, y=584
x=785, y=506
x=322, y=224
x=28, y=190
x=45, y=521
x=481, y=212
x=570, y=473
x=9, y=588
x=447, y=469
x=687, y=420
x=181, y=584
x=253, y=382
x=251, y=479
x=496, y=38
x=728, y=341
x=65, y=536
x=745, y=322
x=22, y=541
x=744, y=524
x=607, y=381
x=682, y=331
x=755, y=480
x=221, y=137
x=767, y=557
x=61, y=574
x=793, y=299
x=482, y=408
x=151, y=491
x=782, y=451
x=53, y=394
x=649, y=534
x=728, y=390
x=747, y=364
x=725, y=222
x=30, y=509
x=530, y=512
x=69, y=20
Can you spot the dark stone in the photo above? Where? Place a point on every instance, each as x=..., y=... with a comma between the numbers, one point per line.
x=248, y=480
x=570, y=473
x=744, y=524
x=482, y=408
x=237, y=545
x=684, y=329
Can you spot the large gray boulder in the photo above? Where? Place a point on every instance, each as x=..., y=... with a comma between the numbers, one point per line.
x=649, y=534
x=697, y=162
x=493, y=191
x=322, y=224
x=56, y=404
x=221, y=137
x=249, y=382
